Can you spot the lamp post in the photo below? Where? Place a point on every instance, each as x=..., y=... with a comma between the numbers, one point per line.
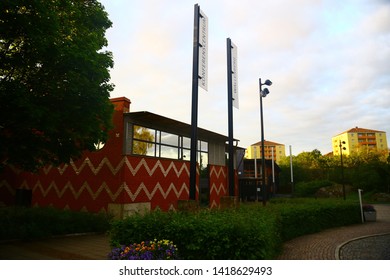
x=342, y=166
x=263, y=93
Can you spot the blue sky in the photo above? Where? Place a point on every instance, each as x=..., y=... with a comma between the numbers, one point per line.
x=329, y=62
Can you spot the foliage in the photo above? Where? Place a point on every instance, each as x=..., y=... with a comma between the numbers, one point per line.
x=249, y=232
x=305, y=216
x=54, y=80
x=33, y=223
x=309, y=189
x=365, y=169
x=149, y=250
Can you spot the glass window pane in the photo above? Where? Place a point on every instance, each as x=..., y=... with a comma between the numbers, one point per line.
x=203, y=146
x=186, y=154
x=203, y=159
x=187, y=142
x=169, y=152
x=144, y=133
x=143, y=148
x=169, y=139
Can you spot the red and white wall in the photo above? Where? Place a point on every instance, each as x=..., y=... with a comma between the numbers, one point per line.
x=108, y=180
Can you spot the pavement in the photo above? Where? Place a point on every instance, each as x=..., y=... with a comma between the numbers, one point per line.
x=368, y=241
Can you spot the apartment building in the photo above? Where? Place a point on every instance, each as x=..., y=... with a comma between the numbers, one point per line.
x=356, y=138
x=270, y=148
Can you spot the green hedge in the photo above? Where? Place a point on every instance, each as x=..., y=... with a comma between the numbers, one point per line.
x=305, y=216
x=249, y=232
x=33, y=223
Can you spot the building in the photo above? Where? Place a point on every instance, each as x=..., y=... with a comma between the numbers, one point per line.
x=143, y=166
x=357, y=138
x=254, y=151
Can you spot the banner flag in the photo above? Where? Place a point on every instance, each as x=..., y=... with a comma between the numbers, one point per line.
x=203, y=51
x=235, y=76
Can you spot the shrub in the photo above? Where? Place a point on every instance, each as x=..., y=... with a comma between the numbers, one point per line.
x=228, y=234
x=250, y=232
x=33, y=223
x=308, y=189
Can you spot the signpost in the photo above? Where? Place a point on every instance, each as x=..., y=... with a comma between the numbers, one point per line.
x=200, y=48
x=232, y=101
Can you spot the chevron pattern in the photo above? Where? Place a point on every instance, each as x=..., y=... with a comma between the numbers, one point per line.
x=218, y=183
x=133, y=168
x=150, y=193
x=7, y=187
x=81, y=184
x=92, y=183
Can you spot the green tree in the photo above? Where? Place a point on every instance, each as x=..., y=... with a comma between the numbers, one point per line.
x=54, y=80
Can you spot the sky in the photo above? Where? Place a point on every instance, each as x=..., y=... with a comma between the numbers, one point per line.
x=328, y=60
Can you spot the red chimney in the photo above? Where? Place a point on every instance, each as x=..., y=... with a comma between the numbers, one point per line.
x=121, y=104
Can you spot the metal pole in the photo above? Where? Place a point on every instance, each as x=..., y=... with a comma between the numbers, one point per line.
x=255, y=160
x=194, y=113
x=292, y=175
x=342, y=168
x=273, y=171
x=361, y=204
x=263, y=186
x=230, y=115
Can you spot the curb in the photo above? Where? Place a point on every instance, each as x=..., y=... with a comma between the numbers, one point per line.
x=338, y=248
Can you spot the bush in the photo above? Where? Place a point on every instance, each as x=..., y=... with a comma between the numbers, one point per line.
x=228, y=234
x=250, y=232
x=32, y=223
x=298, y=217
x=308, y=189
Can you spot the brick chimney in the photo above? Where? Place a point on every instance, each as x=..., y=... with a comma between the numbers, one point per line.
x=121, y=104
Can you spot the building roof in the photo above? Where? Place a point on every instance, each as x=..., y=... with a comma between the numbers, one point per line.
x=267, y=143
x=155, y=121
x=361, y=130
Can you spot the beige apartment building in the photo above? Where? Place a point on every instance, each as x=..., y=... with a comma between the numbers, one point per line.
x=356, y=138
x=270, y=148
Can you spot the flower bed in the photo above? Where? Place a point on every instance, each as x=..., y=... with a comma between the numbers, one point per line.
x=149, y=250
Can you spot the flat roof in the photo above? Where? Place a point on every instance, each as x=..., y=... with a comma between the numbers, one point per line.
x=159, y=122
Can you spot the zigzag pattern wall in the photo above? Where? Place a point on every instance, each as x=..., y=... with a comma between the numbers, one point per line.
x=91, y=184
x=218, y=184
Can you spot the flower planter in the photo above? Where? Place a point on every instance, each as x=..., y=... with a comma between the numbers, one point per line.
x=369, y=216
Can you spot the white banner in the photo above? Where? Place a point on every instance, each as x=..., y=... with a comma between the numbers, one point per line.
x=234, y=76
x=203, y=51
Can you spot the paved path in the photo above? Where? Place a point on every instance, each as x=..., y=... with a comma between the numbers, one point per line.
x=350, y=242
x=79, y=247
x=332, y=244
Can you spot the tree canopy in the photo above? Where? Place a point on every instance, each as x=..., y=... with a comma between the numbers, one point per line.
x=54, y=80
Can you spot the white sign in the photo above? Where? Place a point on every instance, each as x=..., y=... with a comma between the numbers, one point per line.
x=234, y=76
x=203, y=51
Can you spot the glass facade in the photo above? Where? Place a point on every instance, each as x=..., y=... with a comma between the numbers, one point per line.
x=156, y=143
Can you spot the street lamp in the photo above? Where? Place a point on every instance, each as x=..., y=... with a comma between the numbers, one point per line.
x=263, y=93
x=342, y=166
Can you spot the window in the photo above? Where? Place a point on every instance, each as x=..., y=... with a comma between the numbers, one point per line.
x=155, y=143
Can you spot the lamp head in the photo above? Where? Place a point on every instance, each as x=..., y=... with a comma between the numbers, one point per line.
x=265, y=92
x=268, y=82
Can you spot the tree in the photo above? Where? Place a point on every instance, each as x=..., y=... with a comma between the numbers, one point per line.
x=54, y=80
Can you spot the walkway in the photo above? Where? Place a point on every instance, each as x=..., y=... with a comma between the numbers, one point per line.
x=343, y=242
x=75, y=247
x=350, y=242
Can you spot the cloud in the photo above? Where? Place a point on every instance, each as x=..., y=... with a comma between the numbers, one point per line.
x=328, y=62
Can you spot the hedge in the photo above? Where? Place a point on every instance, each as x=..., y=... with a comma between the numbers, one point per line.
x=35, y=223
x=249, y=232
